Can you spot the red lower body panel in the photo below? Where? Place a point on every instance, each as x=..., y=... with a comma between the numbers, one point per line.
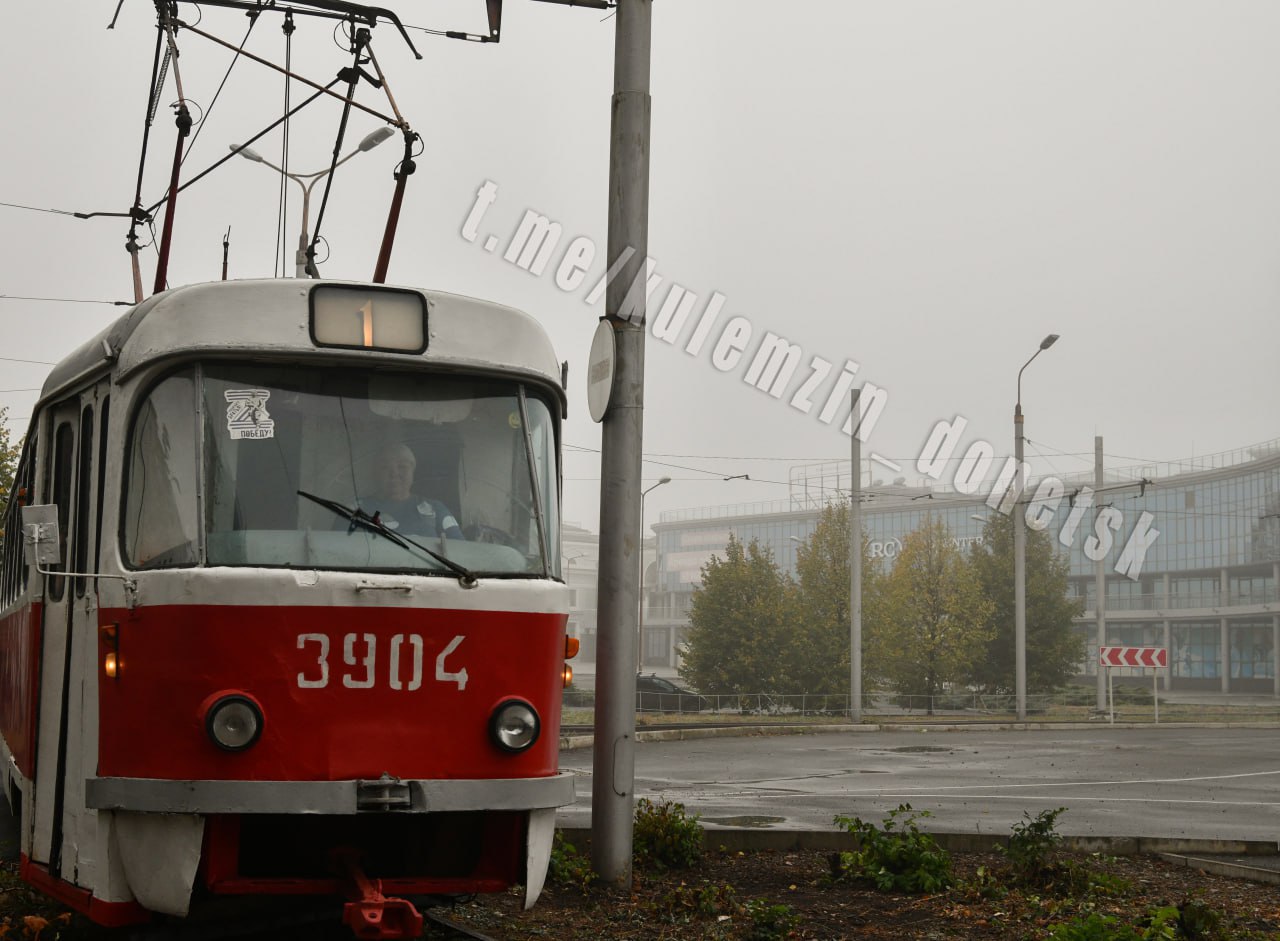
x=110, y=914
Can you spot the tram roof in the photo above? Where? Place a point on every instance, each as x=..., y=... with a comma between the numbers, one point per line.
x=272, y=316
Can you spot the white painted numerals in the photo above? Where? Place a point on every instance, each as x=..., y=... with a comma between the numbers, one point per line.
x=360, y=659
x=443, y=675
x=322, y=661
x=415, y=658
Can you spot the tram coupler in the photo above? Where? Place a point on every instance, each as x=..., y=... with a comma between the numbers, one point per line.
x=371, y=915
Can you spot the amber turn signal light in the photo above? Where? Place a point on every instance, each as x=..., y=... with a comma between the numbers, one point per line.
x=110, y=634
x=571, y=645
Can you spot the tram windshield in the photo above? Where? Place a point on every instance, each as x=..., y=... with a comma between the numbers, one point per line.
x=232, y=464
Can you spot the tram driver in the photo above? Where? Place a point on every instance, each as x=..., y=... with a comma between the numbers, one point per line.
x=398, y=507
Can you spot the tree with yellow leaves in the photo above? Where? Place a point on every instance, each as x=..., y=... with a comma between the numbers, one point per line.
x=934, y=623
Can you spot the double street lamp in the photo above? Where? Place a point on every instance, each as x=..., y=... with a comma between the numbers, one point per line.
x=1020, y=547
x=370, y=142
x=640, y=619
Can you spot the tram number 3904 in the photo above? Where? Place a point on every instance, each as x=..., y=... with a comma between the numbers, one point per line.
x=360, y=657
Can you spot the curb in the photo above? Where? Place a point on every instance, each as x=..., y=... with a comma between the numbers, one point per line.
x=690, y=733
x=1176, y=849
x=1186, y=852
x=1220, y=867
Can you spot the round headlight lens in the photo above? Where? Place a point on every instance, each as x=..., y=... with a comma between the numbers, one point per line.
x=234, y=723
x=514, y=726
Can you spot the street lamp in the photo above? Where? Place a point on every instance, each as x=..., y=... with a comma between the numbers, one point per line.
x=370, y=142
x=1020, y=549
x=640, y=619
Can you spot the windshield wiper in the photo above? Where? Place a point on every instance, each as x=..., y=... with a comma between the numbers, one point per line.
x=359, y=517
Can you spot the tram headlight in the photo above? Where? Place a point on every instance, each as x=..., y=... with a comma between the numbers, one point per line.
x=514, y=726
x=234, y=722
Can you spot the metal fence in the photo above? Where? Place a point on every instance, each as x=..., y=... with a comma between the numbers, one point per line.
x=1132, y=703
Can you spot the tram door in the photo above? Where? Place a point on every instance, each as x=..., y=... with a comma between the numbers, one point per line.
x=64, y=834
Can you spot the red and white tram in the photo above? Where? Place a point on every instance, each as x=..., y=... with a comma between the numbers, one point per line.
x=252, y=673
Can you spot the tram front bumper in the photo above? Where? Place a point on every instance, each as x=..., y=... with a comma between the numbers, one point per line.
x=161, y=796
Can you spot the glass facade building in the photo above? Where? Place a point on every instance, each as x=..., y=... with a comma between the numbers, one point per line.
x=1189, y=552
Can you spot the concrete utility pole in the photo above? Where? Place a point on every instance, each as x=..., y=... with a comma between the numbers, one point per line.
x=855, y=567
x=1100, y=581
x=644, y=534
x=613, y=780
x=1020, y=547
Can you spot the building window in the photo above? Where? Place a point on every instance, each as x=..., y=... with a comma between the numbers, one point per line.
x=1252, y=654
x=1195, y=651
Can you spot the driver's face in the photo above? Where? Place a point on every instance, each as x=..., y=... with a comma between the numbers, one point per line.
x=395, y=473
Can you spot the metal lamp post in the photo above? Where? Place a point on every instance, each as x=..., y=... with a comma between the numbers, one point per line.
x=1020, y=548
x=640, y=619
x=370, y=142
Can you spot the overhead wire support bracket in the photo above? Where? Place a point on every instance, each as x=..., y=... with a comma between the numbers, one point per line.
x=592, y=4
x=493, y=8
x=334, y=9
x=324, y=89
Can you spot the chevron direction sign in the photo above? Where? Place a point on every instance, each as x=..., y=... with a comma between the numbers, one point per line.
x=1156, y=657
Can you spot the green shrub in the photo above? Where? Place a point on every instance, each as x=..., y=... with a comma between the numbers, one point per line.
x=1030, y=861
x=1199, y=922
x=769, y=922
x=1159, y=924
x=1032, y=845
x=665, y=837
x=567, y=866
x=685, y=901
x=1091, y=927
x=897, y=857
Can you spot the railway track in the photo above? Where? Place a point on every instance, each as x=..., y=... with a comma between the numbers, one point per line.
x=440, y=928
x=319, y=923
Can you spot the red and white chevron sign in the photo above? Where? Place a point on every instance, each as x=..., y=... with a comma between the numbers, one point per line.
x=1157, y=657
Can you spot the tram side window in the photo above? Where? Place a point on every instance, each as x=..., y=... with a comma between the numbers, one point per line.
x=64, y=447
x=546, y=471
x=12, y=539
x=160, y=519
x=12, y=535
x=105, y=414
x=15, y=570
x=82, y=498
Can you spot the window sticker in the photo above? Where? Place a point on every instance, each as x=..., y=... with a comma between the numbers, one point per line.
x=247, y=413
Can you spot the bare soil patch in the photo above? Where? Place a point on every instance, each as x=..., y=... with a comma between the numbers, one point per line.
x=712, y=901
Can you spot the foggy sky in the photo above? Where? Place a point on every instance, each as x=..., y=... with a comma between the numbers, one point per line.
x=924, y=189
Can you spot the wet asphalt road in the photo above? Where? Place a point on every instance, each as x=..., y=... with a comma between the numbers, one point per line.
x=1201, y=783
